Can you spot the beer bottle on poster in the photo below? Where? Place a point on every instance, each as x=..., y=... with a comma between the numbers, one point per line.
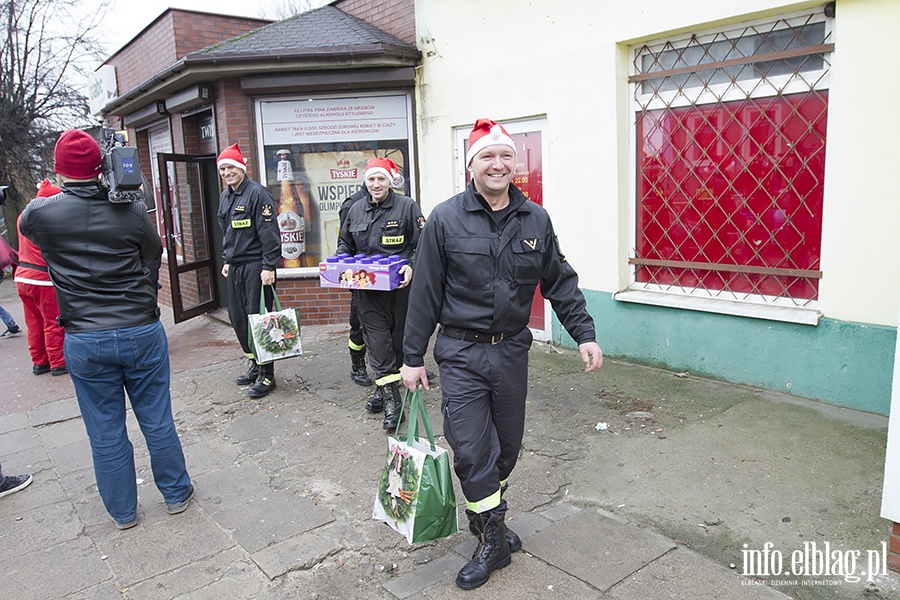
x=290, y=216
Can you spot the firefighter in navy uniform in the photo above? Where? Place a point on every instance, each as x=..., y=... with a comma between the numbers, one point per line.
x=251, y=247
x=478, y=263
x=356, y=342
x=389, y=224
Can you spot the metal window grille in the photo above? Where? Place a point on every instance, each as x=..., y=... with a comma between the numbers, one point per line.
x=730, y=134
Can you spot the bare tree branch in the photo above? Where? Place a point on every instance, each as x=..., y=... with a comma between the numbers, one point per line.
x=43, y=54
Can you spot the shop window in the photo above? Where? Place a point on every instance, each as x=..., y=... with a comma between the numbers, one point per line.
x=315, y=152
x=730, y=162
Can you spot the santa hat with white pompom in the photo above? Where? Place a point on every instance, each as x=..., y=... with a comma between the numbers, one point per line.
x=487, y=133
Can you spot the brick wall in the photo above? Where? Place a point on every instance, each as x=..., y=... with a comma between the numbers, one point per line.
x=397, y=17
x=165, y=41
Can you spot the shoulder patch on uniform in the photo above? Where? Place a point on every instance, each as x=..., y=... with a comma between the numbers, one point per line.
x=267, y=210
x=559, y=251
x=421, y=222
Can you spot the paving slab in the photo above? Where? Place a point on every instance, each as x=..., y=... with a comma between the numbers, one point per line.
x=144, y=551
x=597, y=549
x=526, y=578
x=426, y=576
x=41, y=527
x=189, y=578
x=55, y=412
x=14, y=421
x=72, y=457
x=299, y=552
x=18, y=440
x=273, y=518
x=682, y=573
x=77, y=567
x=42, y=491
x=62, y=433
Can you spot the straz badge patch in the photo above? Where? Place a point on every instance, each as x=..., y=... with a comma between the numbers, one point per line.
x=420, y=222
x=240, y=223
x=267, y=210
x=392, y=240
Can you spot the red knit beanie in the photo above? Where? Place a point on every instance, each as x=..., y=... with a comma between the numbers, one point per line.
x=47, y=189
x=77, y=155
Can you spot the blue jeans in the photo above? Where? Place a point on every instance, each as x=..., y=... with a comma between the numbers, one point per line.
x=103, y=366
x=7, y=319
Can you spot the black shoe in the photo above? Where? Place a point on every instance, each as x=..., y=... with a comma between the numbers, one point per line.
x=392, y=406
x=14, y=483
x=358, y=372
x=40, y=369
x=512, y=540
x=248, y=378
x=360, y=376
x=375, y=404
x=262, y=387
x=491, y=554
x=57, y=371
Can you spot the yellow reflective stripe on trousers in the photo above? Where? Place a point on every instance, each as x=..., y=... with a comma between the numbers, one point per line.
x=485, y=504
x=387, y=379
x=356, y=347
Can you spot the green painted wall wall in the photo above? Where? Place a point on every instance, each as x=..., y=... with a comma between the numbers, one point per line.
x=842, y=363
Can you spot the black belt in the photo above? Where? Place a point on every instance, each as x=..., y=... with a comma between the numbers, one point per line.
x=468, y=335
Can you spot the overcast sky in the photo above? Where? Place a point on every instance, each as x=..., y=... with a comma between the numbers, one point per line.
x=126, y=18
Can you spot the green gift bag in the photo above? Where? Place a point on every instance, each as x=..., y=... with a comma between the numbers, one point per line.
x=415, y=493
x=274, y=335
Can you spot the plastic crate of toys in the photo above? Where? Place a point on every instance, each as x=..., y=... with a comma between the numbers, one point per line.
x=361, y=272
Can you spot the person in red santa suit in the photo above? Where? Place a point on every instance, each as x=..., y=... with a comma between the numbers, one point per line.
x=45, y=334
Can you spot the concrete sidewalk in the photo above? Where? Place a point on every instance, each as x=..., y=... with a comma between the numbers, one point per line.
x=657, y=505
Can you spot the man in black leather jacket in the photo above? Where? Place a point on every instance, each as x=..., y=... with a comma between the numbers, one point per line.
x=97, y=253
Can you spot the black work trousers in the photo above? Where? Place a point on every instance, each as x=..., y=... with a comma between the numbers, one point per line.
x=244, y=288
x=383, y=317
x=357, y=342
x=483, y=390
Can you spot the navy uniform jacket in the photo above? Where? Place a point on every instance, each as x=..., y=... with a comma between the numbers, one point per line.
x=249, y=225
x=389, y=228
x=473, y=276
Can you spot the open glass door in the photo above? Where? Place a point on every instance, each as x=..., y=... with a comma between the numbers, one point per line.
x=186, y=183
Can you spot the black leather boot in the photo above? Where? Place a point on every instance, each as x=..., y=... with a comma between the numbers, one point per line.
x=265, y=381
x=491, y=554
x=250, y=376
x=392, y=405
x=358, y=372
x=375, y=404
x=512, y=540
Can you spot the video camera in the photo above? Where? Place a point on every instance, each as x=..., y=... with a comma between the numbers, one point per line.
x=121, y=168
